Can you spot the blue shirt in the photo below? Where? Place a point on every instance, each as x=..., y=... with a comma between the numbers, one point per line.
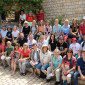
x=58, y=29
x=65, y=30
x=81, y=63
x=9, y=26
x=57, y=61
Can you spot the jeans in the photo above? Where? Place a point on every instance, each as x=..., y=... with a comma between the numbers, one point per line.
x=80, y=39
x=76, y=75
x=39, y=66
x=29, y=65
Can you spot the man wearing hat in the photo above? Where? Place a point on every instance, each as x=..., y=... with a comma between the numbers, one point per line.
x=81, y=68
x=62, y=46
x=82, y=30
x=30, y=17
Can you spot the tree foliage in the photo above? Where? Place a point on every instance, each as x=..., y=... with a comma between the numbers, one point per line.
x=17, y=5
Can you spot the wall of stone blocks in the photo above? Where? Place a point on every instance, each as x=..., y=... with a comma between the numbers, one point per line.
x=70, y=8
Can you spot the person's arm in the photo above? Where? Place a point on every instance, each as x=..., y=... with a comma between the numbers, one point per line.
x=65, y=50
x=71, y=69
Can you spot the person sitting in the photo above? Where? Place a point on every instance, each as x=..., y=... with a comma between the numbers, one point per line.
x=68, y=67
x=62, y=46
x=20, y=28
x=15, y=34
x=22, y=39
x=31, y=40
x=57, y=29
x=81, y=68
x=15, y=57
x=3, y=32
x=75, y=47
x=8, y=55
x=22, y=17
x=9, y=34
x=55, y=67
x=35, y=58
x=26, y=29
x=45, y=56
x=24, y=58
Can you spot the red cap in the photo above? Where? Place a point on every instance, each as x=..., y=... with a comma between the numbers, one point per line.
x=74, y=39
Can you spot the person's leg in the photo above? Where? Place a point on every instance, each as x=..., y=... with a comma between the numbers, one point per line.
x=29, y=66
x=12, y=64
x=80, y=39
x=49, y=70
x=24, y=66
x=38, y=68
x=20, y=67
x=8, y=59
x=68, y=78
x=15, y=66
x=57, y=72
x=4, y=63
x=76, y=75
x=43, y=68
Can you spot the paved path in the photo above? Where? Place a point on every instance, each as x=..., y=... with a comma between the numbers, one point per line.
x=17, y=79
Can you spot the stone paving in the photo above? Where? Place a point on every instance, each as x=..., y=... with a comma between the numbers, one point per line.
x=17, y=79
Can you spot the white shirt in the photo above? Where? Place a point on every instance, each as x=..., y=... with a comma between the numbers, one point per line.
x=30, y=43
x=15, y=34
x=23, y=17
x=35, y=56
x=44, y=57
x=82, y=48
x=3, y=33
x=75, y=47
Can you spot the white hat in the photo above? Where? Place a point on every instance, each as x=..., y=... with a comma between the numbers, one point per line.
x=25, y=22
x=83, y=17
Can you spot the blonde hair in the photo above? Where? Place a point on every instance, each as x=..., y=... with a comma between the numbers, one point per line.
x=57, y=50
x=26, y=45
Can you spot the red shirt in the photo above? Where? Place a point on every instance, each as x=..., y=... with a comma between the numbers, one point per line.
x=40, y=16
x=66, y=62
x=26, y=54
x=30, y=18
x=3, y=48
x=82, y=28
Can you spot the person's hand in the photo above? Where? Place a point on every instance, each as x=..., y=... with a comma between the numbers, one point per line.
x=83, y=77
x=53, y=71
x=68, y=71
x=64, y=71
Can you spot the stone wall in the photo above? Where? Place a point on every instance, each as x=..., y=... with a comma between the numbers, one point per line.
x=70, y=8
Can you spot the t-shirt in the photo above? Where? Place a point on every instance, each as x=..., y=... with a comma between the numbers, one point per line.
x=15, y=34
x=57, y=61
x=3, y=33
x=74, y=29
x=23, y=17
x=16, y=52
x=45, y=56
x=68, y=64
x=35, y=56
x=26, y=31
x=75, y=47
x=9, y=34
x=53, y=45
x=62, y=47
x=26, y=54
x=31, y=43
x=22, y=41
x=82, y=28
x=81, y=63
x=3, y=48
x=41, y=28
x=9, y=50
x=40, y=16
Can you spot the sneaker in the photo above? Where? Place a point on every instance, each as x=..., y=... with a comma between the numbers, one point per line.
x=48, y=80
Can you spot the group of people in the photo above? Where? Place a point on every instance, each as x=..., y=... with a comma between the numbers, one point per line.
x=47, y=51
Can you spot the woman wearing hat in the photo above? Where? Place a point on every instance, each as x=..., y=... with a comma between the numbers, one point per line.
x=9, y=34
x=54, y=69
x=35, y=58
x=45, y=56
x=68, y=67
x=75, y=47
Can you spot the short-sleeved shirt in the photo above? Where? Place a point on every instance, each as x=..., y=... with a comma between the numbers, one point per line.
x=81, y=63
x=15, y=34
x=82, y=28
x=9, y=50
x=67, y=63
x=9, y=34
x=75, y=47
x=41, y=28
x=26, y=54
x=57, y=61
x=74, y=30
